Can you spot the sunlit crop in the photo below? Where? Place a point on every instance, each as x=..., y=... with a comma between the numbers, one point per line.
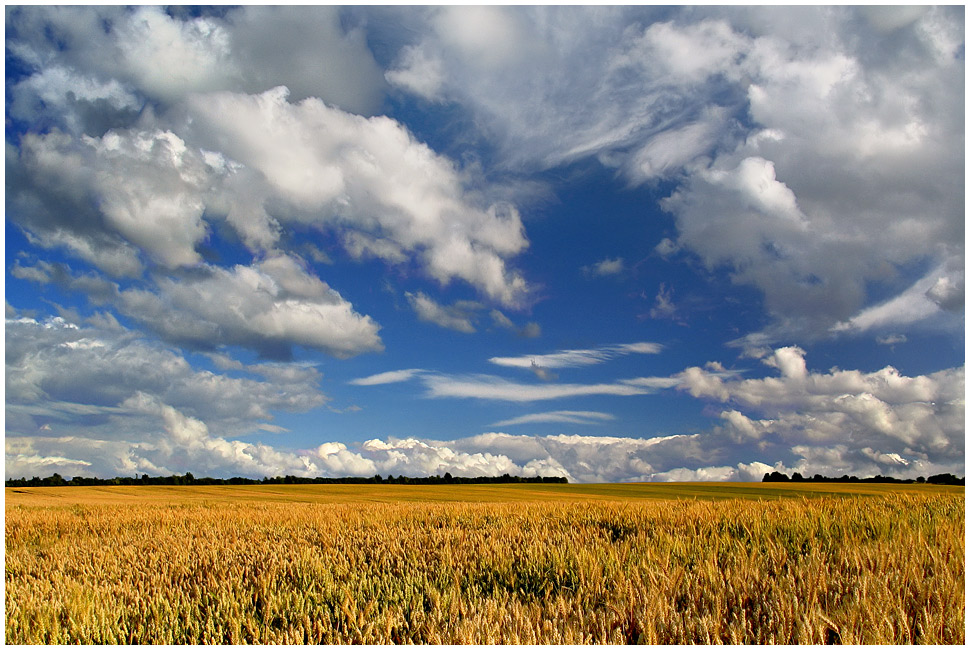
x=877, y=569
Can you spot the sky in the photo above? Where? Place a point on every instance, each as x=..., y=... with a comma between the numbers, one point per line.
x=606, y=243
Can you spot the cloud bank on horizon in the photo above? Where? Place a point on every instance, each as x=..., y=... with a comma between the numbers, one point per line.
x=606, y=243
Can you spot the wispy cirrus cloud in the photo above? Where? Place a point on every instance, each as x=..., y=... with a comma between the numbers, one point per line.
x=390, y=377
x=490, y=387
x=577, y=358
x=563, y=417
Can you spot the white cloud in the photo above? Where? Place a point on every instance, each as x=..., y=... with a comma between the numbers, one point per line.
x=664, y=306
x=71, y=100
x=57, y=371
x=390, y=377
x=579, y=458
x=577, y=358
x=668, y=152
x=666, y=247
x=501, y=320
x=139, y=408
x=912, y=418
x=50, y=179
x=891, y=339
x=809, y=167
x=268, y=307
x=562, y=59
x=418, y=73
x=165, y=57
x=530, y=330
x=456, y=317
x=606, y=267
x=682, y=474
x=336, y=460
x=570, y=417
x=938, y=291
x=414, y=457
x=91, y=401
x=489, y=387
x=150, y=187
x=363, y=176
x=653, y=383
x=843, y=128
x=285, y=45
x=588, y=458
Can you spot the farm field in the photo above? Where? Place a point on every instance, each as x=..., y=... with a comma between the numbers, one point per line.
x=484, y=564
x=480, y=493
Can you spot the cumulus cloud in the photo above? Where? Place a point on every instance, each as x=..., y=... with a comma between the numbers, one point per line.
x=940, y=291
x=578, y=458
x=605, y=267
x=415, y=457
x=55, y=368
x=175, y=444
x=164, y=57
x=368, y=175
x=143, y=134
x=148, y=187
x=916, y=421
x=458, y=316
x=588, y=459
x=796, y=419
x=72, y=101
x=94, y=401
x=793, y=156
x=235, y=155
x=140, y=408
x=813, y=154
x=268, y=307
x=810, y=240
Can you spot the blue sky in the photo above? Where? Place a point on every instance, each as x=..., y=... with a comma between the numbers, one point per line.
x=607, y=243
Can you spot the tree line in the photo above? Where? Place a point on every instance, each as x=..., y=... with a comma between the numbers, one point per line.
x=936, y=479
x=189, y=479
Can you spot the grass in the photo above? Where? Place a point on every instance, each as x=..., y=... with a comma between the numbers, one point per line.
x=687, y=563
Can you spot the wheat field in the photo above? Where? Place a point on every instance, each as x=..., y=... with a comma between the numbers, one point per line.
x=313, y=564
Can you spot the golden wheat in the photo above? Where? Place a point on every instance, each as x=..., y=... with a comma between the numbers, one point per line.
x=885, y=569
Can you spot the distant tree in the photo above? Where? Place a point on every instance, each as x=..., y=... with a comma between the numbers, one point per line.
x=945, y=479
x=55, y=479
